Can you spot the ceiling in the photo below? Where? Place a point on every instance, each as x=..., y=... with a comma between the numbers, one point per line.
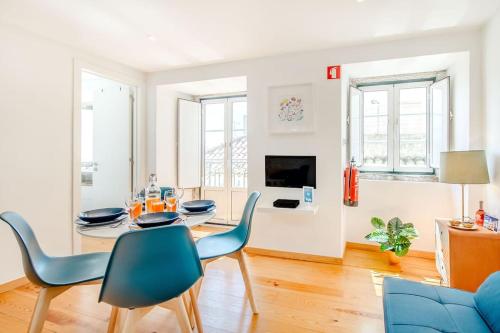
x=421, y=64
x=162, y=34
x=222, y=86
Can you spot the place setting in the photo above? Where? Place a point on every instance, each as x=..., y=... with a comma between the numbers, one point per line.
x=155, y=206
x=103, y=217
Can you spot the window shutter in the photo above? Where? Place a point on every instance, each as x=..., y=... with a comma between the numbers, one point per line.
x=354, y=123
x=440, y=119
x=189, y=141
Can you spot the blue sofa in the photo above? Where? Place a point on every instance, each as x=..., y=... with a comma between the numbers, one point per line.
x=412, y=307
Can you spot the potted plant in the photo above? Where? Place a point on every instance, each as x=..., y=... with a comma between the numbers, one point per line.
x=395, y=238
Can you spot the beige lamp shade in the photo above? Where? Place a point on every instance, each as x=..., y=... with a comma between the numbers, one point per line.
x=464, y=167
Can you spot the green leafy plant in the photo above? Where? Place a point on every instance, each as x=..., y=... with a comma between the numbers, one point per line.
x=396, y=237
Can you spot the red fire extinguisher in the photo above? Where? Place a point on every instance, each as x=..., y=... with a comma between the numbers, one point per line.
x=351, y=184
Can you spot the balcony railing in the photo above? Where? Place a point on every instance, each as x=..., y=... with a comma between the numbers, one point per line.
x=214, y=173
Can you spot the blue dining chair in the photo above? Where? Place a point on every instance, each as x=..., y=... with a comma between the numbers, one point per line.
x=154, y=266
x=54, y=275
x=230, y=244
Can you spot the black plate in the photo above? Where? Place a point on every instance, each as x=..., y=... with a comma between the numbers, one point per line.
x=157, y=219
x=198, y=205
x=101, y=215
x=184, y=211
x=97, y=224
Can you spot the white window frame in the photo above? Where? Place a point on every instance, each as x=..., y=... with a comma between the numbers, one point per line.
x=393, y=129
x=390, y=128
x=397, y=112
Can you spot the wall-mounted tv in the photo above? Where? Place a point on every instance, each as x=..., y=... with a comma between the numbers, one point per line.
x=290, y=171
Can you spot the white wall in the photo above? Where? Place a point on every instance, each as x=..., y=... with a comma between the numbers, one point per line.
x=321, y=234
x=36, y=98
x=466, y=129
x=491, y=72
x=416, y=202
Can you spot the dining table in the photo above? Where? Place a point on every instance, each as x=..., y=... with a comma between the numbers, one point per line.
x=114, y=231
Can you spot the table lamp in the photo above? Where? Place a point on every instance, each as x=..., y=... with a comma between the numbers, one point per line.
x=463, y=167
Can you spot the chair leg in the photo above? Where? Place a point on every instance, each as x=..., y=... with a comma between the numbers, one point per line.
x=246, y=278
x=42, y=307
x=197, y=287
x=113, y=318
x=196, y=310
x=133, y=316
x=198, y=284
x=188, y=305
x=182, y=316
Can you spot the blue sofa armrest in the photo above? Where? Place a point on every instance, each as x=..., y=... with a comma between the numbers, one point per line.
x=487, y=299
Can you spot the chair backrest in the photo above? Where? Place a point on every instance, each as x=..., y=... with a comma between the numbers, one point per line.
x=33, y=257
x=487, y=299
x=243, y=229
x=150, y=266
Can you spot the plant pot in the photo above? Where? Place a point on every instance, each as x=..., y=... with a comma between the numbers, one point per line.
x=393, y=258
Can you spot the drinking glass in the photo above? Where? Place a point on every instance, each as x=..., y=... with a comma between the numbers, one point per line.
x=149, y=204
x=158, y=206
x=171, y=201
x=179, y=191
x=134, y=206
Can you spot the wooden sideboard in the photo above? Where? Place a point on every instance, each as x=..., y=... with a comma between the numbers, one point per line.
x=464, y=259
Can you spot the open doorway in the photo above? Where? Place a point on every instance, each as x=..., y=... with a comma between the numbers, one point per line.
x=106, y=141
x=224, y=166
x=204, y=124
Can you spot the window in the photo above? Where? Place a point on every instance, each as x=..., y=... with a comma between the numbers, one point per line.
x=399, y=127
x=214, y=142
x=225, y=136
x=239, y=163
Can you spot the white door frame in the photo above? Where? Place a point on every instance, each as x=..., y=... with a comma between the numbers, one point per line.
x=204, y=102
x=229, y=169
x=80, y=65
x=228, y=133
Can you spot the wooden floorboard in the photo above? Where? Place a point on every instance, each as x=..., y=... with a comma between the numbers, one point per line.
x=292, y=296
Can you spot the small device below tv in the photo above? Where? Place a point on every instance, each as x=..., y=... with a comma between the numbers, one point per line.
x=286, y=203
x=290, y=171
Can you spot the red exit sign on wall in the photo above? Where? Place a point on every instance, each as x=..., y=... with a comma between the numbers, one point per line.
x=333, y=72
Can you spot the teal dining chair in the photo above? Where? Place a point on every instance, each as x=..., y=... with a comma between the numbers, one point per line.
x=154, y=266
x=54, y=275
x=230, y=244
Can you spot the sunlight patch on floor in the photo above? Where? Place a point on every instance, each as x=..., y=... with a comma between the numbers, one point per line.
x=378, y=280
x=200, y=234
x=431, y=281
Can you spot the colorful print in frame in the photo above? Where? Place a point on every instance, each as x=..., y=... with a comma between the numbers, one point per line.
x=291, y=109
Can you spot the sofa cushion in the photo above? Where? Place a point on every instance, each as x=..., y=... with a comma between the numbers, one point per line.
x=487, y=300
x=415, y=307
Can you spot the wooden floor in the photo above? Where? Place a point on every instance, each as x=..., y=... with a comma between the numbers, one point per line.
x=292, y=296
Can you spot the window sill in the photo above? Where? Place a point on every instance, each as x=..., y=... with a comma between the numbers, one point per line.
x=398, y=177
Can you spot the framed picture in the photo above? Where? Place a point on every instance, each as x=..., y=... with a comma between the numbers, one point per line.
x=308, y=194
x=291, y=109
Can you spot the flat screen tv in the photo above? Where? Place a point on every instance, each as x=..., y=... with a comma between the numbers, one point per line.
x=290, y=171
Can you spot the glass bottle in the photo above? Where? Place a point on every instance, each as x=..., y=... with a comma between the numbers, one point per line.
x=152, y=193
x=480, y=214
